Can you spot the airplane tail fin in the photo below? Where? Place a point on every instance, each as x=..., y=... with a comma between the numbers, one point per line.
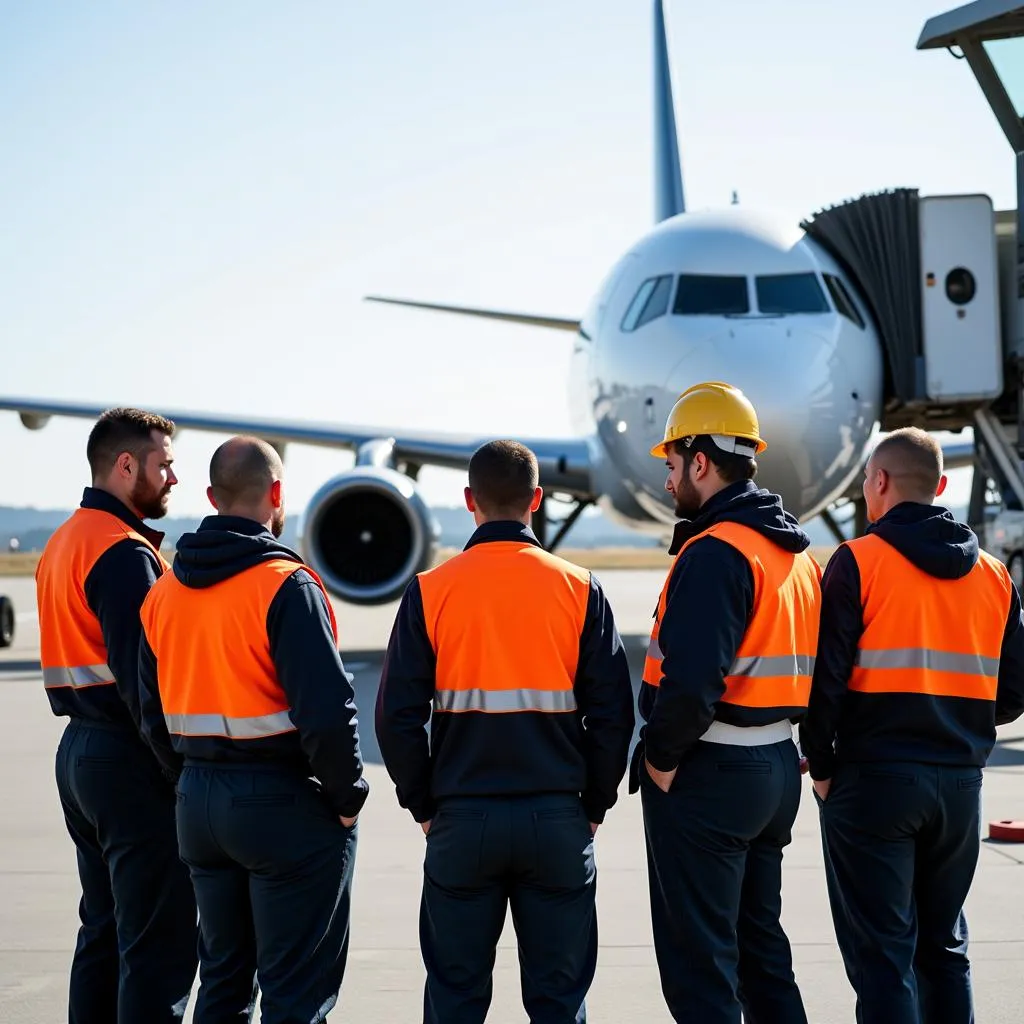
x=534, y=320
x=668, y=173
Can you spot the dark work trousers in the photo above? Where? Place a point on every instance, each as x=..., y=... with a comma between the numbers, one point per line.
x=484, y=853
x=136, y=893
x=272, y=868
x=901, y=843
x=714, y=861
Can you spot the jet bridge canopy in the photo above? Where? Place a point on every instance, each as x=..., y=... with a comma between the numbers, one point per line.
x=990, y=35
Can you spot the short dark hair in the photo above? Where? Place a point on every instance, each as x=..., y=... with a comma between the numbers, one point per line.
x=914, y=458
x=503, y=477
x=242, y=470
x=123, y=430
x=731, y=467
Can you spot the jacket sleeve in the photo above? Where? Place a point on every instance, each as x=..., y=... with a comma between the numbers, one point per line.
x=319, y=690
x=152, y=724
x=604, y=700
x=115, y=589
x=840, y=628
x=709, y=603
x=404, y=702
x=1010, y=688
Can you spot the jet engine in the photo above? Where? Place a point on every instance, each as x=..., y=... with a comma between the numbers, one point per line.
x=367, y=532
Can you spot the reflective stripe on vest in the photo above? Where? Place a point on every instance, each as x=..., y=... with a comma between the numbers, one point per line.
x=216, y=675
x=77, y=676
x=233, y=728
x=504, y=619
x=71, y=646
x=498, y=701
x=945, y=641
x=766, y=671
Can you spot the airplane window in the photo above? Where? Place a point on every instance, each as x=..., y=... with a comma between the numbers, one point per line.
x=841, y=298
x=790, y=293
x=710, y=295
x=636, y=307
x=650, y=302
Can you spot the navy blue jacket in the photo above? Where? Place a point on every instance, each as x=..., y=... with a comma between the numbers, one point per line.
x=305, y=656
x=709, y=604
x=115, y=588
x=903, y=726
x=531, y=751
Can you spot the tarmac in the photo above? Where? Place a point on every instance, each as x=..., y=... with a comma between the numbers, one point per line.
x=39, y=887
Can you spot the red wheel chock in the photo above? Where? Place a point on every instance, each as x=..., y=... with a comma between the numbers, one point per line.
x=1008, y=831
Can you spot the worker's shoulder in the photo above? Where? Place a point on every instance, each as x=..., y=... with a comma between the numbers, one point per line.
x=505, y=556
x=993, y=566
x=556, y=564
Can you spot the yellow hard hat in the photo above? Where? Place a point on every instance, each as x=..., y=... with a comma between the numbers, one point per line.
x=717, y=409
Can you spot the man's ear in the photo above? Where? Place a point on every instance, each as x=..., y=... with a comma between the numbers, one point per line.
x=538, y=496
x=470, y=503
x=943, y=480
x=210, y=497
x=275, y=494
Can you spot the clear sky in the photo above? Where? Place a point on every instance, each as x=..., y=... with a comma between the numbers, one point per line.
x=194, y=197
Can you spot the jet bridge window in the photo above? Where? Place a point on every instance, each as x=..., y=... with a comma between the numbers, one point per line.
x=650, y=302
x=780, y=294
x=842, y=300
x=711, y=295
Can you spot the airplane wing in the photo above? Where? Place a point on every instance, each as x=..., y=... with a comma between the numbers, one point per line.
x=554, y=323
x=564, y=464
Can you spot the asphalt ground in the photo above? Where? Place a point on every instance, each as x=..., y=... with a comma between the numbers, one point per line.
x=39, y=888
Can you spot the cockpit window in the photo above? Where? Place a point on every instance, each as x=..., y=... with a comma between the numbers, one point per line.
x=650, y=302
x=842, y=300
x=711, y=295
x=790, y=293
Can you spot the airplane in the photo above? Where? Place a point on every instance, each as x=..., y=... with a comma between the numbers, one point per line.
x=728, y=295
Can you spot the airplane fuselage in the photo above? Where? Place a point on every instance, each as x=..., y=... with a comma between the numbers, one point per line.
x=731, y=296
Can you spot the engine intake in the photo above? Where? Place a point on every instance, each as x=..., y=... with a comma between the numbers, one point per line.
x=367, y=533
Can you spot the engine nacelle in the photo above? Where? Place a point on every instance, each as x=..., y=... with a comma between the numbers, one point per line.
x=33, y=420
x=367, y=532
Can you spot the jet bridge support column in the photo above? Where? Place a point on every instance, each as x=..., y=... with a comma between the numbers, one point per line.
x=1006, y=461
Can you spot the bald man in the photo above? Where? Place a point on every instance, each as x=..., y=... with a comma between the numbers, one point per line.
x=920, y=657
x=244, y=693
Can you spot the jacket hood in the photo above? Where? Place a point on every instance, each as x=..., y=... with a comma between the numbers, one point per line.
x=224, y=546
x=930, y=538
x=749, y=505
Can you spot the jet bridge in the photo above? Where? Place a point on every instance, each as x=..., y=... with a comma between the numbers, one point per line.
x=989, y=36
x=944, y=275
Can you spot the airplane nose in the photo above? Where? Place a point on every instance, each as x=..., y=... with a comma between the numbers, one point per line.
x=793, y=377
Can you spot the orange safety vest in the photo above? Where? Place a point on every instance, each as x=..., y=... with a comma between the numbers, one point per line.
x=72, y=650
x=216, y=676
x=775, y=661
x=941, y=637
x=504, y=619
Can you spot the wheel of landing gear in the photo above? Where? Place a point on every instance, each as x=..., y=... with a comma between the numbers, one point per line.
x=1016, y=569
x=6, y=622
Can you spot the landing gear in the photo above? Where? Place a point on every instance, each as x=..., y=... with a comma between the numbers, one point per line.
x=6, y=622
x=541, y=521
x=860, y=517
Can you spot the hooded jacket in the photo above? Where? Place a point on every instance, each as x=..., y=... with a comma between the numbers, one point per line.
x=847, y=725
x=114, y=590
x=474, y=754
x=709, y=603
x=305, y=657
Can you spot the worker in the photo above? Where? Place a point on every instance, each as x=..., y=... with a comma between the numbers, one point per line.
x=920, y=657
x=727, y=672
x=243, y=690
x=136, y=955
x=517, y=653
